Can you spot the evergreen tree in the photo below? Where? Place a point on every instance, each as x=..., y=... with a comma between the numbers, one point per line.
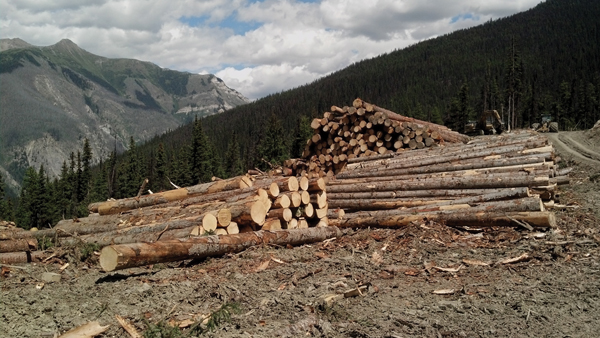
x=302, y=134
x=514, y=74
x=86, y=176
x=233, y=162
x=41, y=201
x=130, y=176
x=26, y=214
x=216, y=166
x=4, y=212
x=200, y=155
x=160, y=181
x=272, y=147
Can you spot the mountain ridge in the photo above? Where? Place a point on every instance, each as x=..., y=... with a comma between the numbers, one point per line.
x=54, y=96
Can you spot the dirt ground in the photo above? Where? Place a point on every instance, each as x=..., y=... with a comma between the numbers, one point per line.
x=425, y=280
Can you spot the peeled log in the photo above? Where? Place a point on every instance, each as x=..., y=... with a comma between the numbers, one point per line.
x=15, y=245
x=116, y=257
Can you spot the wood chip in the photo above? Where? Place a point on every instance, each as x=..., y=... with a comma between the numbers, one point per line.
x=444, y=292
x=356, y=292
x=263, y=266
x=376, y=258
x=62, y=268
x=448, y=269
x=522, y=258
x=87, y=330
x=185, y=323
x=128, y=327
x=475, y=262
x=276, y=260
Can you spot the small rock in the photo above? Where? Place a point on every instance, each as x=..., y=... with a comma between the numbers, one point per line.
x=51, y=277
x=145, y=287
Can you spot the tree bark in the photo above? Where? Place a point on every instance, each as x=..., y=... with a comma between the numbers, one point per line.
x=14, y=245
x=542, y=219
x=116, y=257
x=22, y=257
x=115, y=207
x=444, y=183
x=515, y=163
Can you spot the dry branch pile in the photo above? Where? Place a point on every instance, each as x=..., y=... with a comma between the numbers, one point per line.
x=362, y=130
x=490, y=181
x=237, y=205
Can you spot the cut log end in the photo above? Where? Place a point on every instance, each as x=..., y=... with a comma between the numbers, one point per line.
x=109, y=259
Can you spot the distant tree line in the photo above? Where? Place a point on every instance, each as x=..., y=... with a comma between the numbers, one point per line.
x=44, y=201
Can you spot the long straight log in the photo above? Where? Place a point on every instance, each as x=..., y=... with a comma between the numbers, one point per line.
x=522, y=204
x=512, y=163
x=382, y=204
x=115, y=207
x=452, y=149
x=116, y=257
x=537, y=218
x=492, y=174
x=444, y=183
x=429, y=193
x=430, y=160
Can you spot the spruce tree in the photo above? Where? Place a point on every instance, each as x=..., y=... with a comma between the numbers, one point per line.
x=272, y=149
x=233, y=161
x=160, y=183
x=26, y=210
x=200, y=162
x=302, y=134
x=3, y=202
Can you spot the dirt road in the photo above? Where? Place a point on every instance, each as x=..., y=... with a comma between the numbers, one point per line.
x=575, y=145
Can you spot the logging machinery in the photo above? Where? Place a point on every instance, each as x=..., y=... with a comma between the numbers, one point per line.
x=547, y=125
x=488, y=123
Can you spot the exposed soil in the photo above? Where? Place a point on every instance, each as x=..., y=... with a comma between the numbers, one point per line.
x=553, y=292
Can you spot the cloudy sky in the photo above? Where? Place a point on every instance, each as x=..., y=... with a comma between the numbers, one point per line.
x=256, y=47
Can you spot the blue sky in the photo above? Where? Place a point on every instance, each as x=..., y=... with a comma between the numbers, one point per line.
x=256, y=47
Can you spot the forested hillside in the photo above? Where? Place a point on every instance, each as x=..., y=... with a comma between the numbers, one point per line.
x=542, y=61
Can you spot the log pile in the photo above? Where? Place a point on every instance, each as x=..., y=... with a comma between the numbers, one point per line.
x=225, y=207
x=490, y=181
x=364, y=130
x=381, y=169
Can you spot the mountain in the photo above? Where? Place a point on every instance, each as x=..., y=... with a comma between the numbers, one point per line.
x=52, y=97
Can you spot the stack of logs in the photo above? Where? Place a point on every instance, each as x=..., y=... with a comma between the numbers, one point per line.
x=490, y=181
x=223, y=207
x=363, y=130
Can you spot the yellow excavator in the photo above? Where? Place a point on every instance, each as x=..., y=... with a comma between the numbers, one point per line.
x=488, y=123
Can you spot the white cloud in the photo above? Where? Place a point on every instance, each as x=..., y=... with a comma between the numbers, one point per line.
x=280, y=44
